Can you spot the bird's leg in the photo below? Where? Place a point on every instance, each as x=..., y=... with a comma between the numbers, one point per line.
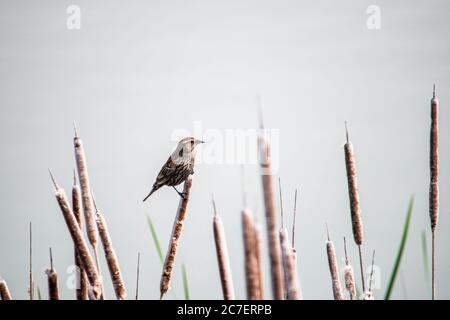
x=181, y=194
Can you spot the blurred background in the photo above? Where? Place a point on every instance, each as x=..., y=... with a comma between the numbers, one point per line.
x=137, y=72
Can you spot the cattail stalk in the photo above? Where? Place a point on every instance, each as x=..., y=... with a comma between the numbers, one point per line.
x=368, y=295
x=290, y=272
x=251, y=265
x=52, y=281
x=86, y=195
x=269, y=202
x=434, y=184
x=334, y=271
x=137, y=275
x=258, y=253
x=175, y=238
x=355, y=208
x=223, y=260
x=4, y=291
x=82, y=281
x=78, y=240
x=349, y=276
x=30, y=272
x=110, y=256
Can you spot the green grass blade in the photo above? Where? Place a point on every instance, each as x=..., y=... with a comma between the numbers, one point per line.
x=155, y=239
x=39, y=293
x=400, y=251
x=426, y=266
x=185, y=282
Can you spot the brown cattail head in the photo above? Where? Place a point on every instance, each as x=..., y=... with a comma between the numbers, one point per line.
x=350, y=281
x=289, y=266
x=349, y=276
x=251, y=265
x=111, y=258
x=258, y=252
x=4, y=291
x=434, y=162
x=223, y=260
x=334, y=271
x=86, y=194
x=175, y=237
x=276, y=268
x=352, y=181
x=78, y=240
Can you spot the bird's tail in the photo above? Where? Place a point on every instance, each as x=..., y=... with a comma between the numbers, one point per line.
x=153, y=190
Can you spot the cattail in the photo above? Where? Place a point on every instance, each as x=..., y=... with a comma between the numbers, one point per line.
x=52, y=280
x=332, y=263
x=349, y=276
x=291, y=279
x=86, y=194
x=82, y=281
x=368, y=295
x=223, y=260
x=110, y=255
x=77, y=237
x=251, y=265
x=175, y=237
x=269, y=202
x=434, y=181
x=258, y=252
x=4, y=291
x=355, y=208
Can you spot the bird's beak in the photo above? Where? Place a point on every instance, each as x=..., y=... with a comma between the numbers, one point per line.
x=200, y=141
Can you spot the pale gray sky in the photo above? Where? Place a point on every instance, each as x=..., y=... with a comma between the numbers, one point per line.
x=138, y=71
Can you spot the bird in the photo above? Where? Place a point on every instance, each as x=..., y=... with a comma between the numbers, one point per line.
x=178, y=167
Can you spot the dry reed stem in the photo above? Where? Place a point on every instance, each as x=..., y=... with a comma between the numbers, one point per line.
x=175, y=237
x=86, y=194
x=111, y=257
x=78, y=240
x=258, y=253
x=434, y=182
x=4, y=291
x=30, y=272
x=269, y=202
x=137, y=275
x=223, y=260
x=52, y=281
x=334, y=271
x=251, y=265
x=290, y=272
x=82, y=281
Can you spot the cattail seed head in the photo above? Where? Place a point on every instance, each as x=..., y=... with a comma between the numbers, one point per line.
x=434, y=163
x=111, y=258
x=175, y=238
x=86, y=194
x=352, y=181
x=289, y=265
x=251, y=266
x=334, y=271
x=4, y=291
x=223, y=259
x=350, y=281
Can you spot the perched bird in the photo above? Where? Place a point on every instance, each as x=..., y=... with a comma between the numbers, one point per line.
x=178, y=167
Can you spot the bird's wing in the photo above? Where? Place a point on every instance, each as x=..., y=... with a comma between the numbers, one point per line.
x=166, y=172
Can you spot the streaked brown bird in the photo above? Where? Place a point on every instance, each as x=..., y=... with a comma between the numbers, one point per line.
x=178, y=167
